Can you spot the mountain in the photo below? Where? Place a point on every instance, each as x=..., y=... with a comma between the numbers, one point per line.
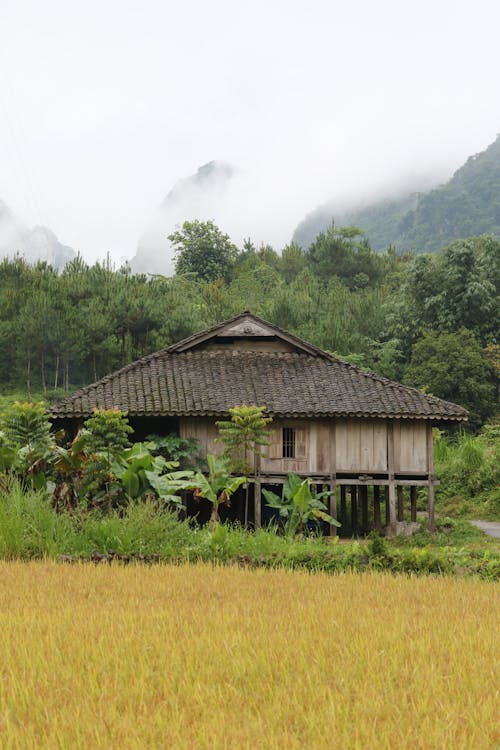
x=39, y=243
x=194, y=197
x=467, y=205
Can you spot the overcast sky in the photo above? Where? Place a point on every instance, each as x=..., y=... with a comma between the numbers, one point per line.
x=105, y=104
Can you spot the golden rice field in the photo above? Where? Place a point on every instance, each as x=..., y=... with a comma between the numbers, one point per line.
x=203, y=657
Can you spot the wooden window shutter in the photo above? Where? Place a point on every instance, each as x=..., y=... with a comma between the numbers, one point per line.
x=276, y=444
x=300, y=443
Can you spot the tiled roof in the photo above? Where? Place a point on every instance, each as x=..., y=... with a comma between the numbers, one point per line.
x=290, y=384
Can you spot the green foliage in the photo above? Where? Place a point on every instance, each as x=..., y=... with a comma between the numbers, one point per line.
x=186, y=451
x=108, y=431
x=453, y=366
x=203, y=250
x=244, y=434
x=26, y=442
x=218, y=486
x=469, y=469
x=299, y=504
x=344, y=253
x=30, y=528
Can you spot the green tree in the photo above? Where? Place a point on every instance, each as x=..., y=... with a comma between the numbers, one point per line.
x=454, y=367
x=243, y=435
x=109, y=430
x=344, y=252
x=203, y=250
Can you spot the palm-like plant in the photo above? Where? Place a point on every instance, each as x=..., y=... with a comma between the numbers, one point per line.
x=217, y=487
x=299, y=504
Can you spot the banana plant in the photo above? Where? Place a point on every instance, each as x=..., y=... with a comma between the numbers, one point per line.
x=217, y=487
x=140, y=472
x=299, y=504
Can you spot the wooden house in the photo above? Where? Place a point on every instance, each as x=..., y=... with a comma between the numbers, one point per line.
x=333, y=422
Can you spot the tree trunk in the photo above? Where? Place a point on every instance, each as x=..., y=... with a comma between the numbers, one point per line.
x=56, y=376
x=246, y=504
x=42, y=370
x=214, y=517
x=28, y=377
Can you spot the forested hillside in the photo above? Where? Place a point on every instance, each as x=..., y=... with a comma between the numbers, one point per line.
x=430, y=321
x=466, y=206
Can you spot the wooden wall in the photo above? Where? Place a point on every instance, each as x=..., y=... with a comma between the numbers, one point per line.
x=324, y=447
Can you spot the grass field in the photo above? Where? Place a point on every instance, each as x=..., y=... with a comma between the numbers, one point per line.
x=206, y=657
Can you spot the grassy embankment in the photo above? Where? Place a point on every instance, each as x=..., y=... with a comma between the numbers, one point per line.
x=30, y=529
x=216, y=657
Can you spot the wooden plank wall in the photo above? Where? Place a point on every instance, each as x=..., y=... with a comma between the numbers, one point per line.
x=361, y=445
x=410, y=446
x=343, y=445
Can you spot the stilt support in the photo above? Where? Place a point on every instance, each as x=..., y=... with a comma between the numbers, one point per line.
x=333, y=506
x=413, y=503
x=376, y=509
x=354, y=509
x=257, y=504
x=401, y=504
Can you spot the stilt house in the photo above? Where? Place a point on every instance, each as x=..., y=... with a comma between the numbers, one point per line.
x=332, y=421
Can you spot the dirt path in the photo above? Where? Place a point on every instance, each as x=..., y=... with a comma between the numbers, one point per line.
x=492, y=528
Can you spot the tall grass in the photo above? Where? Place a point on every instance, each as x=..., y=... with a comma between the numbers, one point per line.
x=30, y=528
x=469, y=469
x=210, y=657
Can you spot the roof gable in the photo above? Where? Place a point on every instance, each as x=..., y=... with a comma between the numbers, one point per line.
x=246, y=326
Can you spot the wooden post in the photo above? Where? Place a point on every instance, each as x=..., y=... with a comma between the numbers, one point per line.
x=401, y=504
x=257, y=503
x=386, y=502
x=430, y=469
x=363, y=491
x=391, y=528
x=413, y=503
x=376, y=509
x=354, y=508
x=343, y=505
x=333, y=505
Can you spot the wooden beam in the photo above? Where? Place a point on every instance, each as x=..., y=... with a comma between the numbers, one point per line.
x=363, y=491
x=257, y=507
x=413, y=503
x=333, y=505
x=391, y=528
x=376, y=508
x=343, y=506
x=348, y=481
x=430, y=469
x=401, y=504
x=354, y=509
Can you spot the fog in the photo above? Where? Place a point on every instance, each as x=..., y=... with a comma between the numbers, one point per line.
x=104, y=107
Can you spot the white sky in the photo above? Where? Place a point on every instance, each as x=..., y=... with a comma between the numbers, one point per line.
x=105, y=104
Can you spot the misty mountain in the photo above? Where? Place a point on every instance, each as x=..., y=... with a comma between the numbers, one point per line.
x=467, y=205
x=39, y=243
x=194, y=197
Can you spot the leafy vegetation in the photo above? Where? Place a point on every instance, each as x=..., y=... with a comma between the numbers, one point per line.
x=243, y=435
x=469, y=469
x=300, y=504
x=30, y=528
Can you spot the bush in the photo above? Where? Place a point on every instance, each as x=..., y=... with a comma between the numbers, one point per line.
x=469, y=470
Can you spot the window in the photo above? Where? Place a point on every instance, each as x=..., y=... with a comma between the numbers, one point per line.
x=288, y=442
